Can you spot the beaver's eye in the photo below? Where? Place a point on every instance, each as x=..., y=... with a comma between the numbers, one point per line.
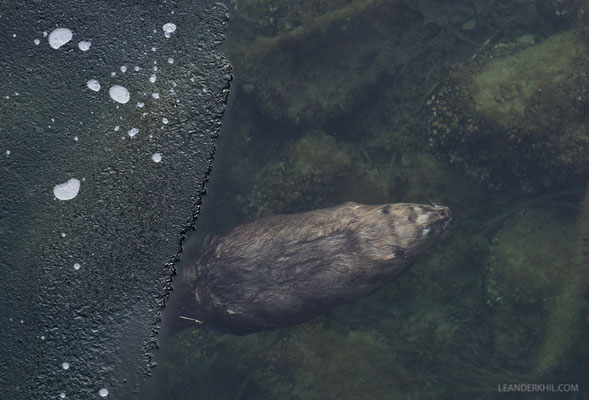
x=386, y=210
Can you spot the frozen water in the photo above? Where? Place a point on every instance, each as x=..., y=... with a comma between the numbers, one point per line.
x=133, y=131
x=93, y=85
x=60, y=36
x=156, y=157
x=84, y=46
x=119, y=94
x=67, y=190
x=169, y=27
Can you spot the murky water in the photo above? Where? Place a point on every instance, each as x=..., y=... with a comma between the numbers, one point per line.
x=381, y=102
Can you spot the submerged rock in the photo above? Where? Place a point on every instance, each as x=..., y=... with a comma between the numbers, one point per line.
x=518, y=114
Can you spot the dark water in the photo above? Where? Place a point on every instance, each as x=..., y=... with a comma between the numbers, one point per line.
x=386, y=102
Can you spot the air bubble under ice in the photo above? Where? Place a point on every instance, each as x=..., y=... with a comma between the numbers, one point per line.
x=67, y=190
x=119, y=94
x=60, y=36
x=93, y=85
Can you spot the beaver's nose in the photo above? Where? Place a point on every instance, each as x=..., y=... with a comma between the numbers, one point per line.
x=447, y=214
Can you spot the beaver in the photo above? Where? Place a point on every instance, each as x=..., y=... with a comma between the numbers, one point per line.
x=287, y=269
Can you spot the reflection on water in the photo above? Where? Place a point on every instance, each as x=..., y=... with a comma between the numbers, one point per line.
x=480, y=106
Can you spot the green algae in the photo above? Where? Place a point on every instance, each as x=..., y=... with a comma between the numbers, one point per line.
x=564, y=312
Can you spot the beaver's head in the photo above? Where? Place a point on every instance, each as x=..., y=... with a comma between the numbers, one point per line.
x=402, y=230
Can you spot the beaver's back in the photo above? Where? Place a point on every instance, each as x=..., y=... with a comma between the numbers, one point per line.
x=286, y=269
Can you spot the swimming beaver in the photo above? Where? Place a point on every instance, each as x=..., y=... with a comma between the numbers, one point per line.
x=287, y=269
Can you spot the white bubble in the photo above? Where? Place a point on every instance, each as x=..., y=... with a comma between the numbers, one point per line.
x=60, y=36
x=37, y=42
x=76, y=138
x=67, y=190
x=84, y=46
x=155, y=68
x=152, y=78
x=153, y=49
x=155, y=95
x=123, y=68
x=171, y=60
x=113, y=74
x=62, y=395
x=7, y=152
x=63, y=234
x=45, y=34
x=140, y=104
x=169, y=27
x=156, y=157
x=117, y=128
x=103, y=392
x=136, y=68
x=77, y=266
x=132, y=132
x=165, y=120
x=93, y=85
x=119, y=94
x=65, y=365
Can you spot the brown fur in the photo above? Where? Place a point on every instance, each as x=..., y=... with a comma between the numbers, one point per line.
x=287, y=269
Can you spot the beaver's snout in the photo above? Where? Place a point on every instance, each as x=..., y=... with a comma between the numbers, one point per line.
x=446, y=216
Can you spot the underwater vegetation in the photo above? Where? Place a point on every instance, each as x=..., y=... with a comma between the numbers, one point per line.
x=426, y=101
x=519, y=113
x=563, y=328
